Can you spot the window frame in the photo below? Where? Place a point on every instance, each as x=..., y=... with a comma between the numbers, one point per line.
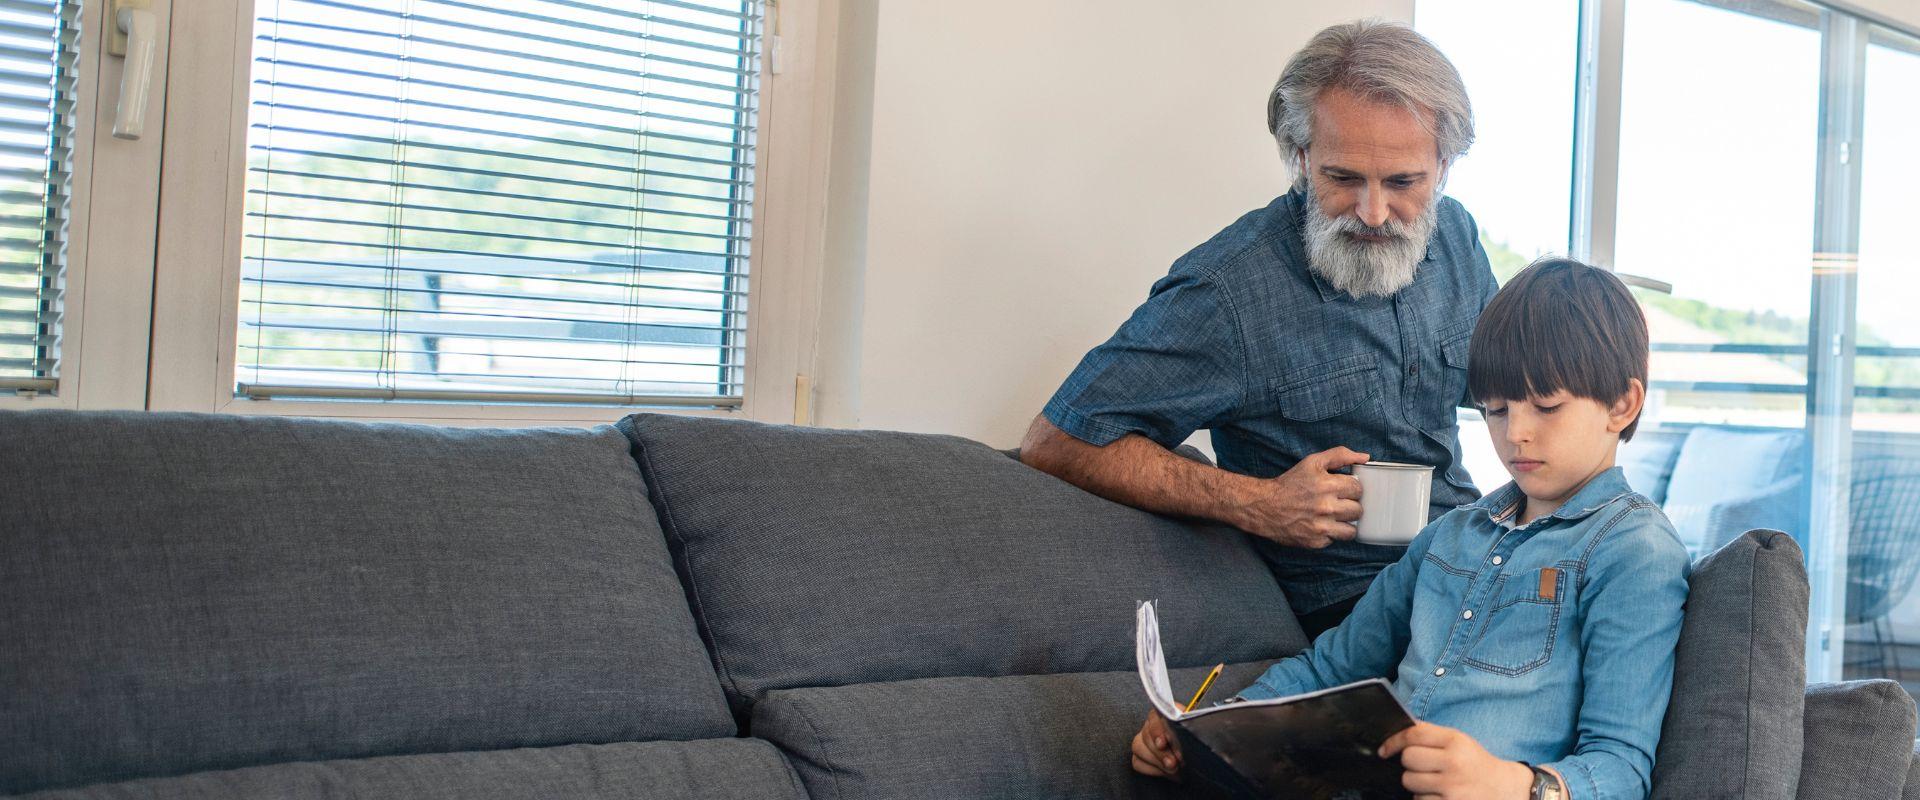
x=1832, y=253
x=197, y=277
x=108, y=283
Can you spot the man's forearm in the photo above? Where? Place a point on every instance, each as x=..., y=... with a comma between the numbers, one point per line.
x=1136, y=471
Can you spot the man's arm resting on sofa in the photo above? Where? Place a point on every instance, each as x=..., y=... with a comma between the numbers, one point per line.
x=1307, y=506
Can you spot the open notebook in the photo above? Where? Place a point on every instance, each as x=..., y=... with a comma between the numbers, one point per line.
x=1318, y=745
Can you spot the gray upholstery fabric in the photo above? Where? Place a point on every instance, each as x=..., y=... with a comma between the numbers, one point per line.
x=188, y=592
x=1733, y=727
x=821, y=557
x=1911, y=791
x=1053, y=736
x=1859, y=741
x=713, y=769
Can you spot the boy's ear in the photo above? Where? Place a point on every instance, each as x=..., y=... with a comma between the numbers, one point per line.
x=1627, y=409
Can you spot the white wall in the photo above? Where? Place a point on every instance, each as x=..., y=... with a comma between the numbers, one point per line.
x=1009, y=178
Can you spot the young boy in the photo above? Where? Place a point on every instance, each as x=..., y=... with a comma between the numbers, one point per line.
x=1531, y=632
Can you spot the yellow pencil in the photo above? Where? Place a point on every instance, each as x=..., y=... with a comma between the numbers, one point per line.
x=1203, y=687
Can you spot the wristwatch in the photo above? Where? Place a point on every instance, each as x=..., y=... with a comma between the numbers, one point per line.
x=1545, y=785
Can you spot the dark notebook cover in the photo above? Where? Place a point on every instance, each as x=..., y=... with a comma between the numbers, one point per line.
x=1319, y=745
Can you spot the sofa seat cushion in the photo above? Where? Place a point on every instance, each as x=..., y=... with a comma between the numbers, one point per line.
x=1859, y=741
x=187, y=592
x=1733, y=726
x=713, y=769
x=1054, y=736
x=828, y=557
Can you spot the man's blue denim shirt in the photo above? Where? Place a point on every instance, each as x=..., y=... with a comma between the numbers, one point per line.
x=1549, y=643
x=1242, y=339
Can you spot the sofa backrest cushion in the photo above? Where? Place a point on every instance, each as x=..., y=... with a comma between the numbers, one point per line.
x=1859, y=740
x=1733, y=726
x=825, y=557
x=1911, y=789
x=186, y=592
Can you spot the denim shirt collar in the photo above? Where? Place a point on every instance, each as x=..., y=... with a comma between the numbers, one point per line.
x=1605, y=488
x=1295, y=241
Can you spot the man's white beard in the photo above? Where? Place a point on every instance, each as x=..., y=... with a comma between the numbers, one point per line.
x=1366, y=269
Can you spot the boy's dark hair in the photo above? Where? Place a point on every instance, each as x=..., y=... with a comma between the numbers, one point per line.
x=1559, y=324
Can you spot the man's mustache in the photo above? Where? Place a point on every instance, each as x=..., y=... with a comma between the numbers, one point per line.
x=1392, y=229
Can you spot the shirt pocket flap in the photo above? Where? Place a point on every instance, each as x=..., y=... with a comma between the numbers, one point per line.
x=1324, y=390
x=1454, y=350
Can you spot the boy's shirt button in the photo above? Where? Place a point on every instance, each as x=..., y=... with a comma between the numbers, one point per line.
x=1497, y=560
x=1468, y=614
x=1439, y=672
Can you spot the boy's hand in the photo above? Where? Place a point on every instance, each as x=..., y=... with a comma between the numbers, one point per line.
x=1445, y=764
x=1156, y=753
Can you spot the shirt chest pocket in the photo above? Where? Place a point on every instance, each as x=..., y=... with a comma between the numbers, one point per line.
x=1328, y=390
x=1519, y=632
x=1445, y=384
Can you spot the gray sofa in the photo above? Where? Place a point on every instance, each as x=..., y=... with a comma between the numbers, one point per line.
x=221, y=606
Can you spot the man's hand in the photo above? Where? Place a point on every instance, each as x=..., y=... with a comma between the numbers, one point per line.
x=1445, y=764
x=1310, y=505
x=1156, y=753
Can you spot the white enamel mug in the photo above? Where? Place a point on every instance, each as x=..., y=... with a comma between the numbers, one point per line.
x=1393, y=501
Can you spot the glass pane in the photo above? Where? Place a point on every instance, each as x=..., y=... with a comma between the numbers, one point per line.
x=539, y=199
x=1883, y=550
x=1523, y=126
x=1719, y=112
x=36, y=118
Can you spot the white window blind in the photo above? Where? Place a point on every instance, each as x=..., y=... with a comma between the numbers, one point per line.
x=37, y=39
x=527, y=201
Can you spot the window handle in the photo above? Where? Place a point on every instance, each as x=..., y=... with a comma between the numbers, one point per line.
x=133, y=37
x=1645, y=282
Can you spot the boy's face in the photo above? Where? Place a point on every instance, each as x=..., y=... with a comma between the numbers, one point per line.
x=1553, y=444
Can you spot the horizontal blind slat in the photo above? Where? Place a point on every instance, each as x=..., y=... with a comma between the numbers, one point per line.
x=452, y=352
x=484, y=254
x=264, y=392
x=264, y=282
x=413, y=123
x=320, y=198
x=363, y=53
x=518, y=334
x=413, y=16
x=518, y=237
x=494, y=173
x=638, y=271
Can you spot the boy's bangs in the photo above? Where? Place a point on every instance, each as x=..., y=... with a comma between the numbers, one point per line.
x=1558, y=325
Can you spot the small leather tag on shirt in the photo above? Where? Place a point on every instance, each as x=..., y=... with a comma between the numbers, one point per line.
x=1549, y=583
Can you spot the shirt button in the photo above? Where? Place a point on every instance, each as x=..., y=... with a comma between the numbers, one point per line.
x=1413, y=369
x=1497, y=560
x=1468, y=614
x=1439, y=672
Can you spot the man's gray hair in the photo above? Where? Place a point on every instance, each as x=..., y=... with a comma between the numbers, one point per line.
x=1382, y=61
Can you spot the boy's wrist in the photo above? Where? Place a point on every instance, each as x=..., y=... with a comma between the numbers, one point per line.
x=1517, y=783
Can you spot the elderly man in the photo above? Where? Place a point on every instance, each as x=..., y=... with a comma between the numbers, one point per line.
x=1319, y=332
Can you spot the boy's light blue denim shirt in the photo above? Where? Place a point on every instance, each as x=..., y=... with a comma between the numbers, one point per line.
x=1549, y=643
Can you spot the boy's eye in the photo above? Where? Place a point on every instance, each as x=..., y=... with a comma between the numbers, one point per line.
x=1546, y=409
x=1496, y=412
